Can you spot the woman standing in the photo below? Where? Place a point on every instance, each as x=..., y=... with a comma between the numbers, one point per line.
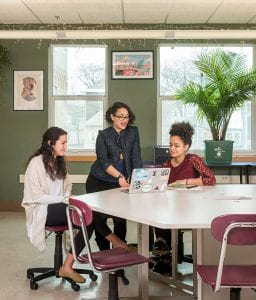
x=46, y=192
x=118, y=153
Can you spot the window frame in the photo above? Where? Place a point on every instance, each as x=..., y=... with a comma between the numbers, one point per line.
x=53, y=98
x=161, y=98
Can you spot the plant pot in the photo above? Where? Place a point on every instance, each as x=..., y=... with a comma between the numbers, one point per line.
x=217, y=152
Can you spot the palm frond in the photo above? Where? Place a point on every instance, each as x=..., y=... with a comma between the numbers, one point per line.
x=229, y=84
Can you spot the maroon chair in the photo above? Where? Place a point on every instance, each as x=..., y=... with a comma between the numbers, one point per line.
x=110, y=261
x=233, y=229
x=46, y=272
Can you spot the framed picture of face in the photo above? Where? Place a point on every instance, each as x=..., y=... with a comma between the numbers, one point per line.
x=28, y=90
x=132, y=65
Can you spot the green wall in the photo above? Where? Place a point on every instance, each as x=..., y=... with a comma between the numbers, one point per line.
x=21, y=131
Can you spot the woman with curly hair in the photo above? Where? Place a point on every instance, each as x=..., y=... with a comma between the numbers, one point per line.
x=186, y=168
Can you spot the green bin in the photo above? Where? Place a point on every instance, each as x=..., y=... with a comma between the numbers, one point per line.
x=218, y=152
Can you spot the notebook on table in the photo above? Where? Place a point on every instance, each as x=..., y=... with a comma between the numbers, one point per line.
x=146, y=180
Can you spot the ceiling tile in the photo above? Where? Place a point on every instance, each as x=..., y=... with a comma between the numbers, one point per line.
x=146, y=11
x=233, y=11
x=128, y=11
x=192, y=11
x=15, y=12
x=99, y=11
x=48, y=10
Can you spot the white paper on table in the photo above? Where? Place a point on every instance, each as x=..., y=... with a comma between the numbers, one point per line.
x=223, y=197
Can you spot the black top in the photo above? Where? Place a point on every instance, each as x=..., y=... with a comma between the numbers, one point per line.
x=121, y=150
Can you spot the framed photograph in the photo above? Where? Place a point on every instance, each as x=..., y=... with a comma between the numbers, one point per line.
x=28, y=90
x=132, y=65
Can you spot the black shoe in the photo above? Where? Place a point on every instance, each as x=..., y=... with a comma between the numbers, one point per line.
x=151, y=264
x=153, y=260
x=162, y=268
x=161, y=248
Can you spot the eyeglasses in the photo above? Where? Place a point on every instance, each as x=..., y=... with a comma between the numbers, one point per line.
x=122, y=118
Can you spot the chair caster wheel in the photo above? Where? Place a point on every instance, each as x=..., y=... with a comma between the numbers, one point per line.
x=30, y=275
x=125, y=281
x=93, y=277
x=75, y=287
x=33, y=285
x=121, y=274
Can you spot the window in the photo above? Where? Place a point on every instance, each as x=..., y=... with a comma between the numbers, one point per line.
x=177, y=69
x=78, y=93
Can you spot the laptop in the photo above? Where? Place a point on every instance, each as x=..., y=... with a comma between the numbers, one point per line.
x=146, y=180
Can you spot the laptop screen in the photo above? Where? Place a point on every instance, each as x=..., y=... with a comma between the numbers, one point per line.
x=149, y=180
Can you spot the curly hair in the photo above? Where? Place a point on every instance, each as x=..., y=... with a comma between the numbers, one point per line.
x=113, y=109
x=183, y=130
x=55, y=167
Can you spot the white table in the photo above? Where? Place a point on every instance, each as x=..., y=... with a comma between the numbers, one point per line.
x=173, y=209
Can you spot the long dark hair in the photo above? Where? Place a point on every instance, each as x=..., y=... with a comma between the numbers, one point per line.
x=55, y=167
x=113, y=109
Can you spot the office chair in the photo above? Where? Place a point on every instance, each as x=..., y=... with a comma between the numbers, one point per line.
x=46, y=272
x=233, y=229
x=80, y=214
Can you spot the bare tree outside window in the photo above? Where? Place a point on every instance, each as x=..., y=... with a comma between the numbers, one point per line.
x=92, y=76
x=78, y=90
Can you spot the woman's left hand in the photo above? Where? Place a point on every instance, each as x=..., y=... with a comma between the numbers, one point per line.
x=123, y=183
x=182, y=181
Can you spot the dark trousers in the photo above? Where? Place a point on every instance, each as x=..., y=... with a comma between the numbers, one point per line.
x=56, y=216
x=93, y=185
x=165, y=234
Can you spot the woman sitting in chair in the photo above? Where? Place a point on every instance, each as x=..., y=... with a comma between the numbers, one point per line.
x=46, y=193
x=186, y=169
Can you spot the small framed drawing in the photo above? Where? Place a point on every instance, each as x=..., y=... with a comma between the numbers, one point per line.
x=28, y=90
x=132, y=65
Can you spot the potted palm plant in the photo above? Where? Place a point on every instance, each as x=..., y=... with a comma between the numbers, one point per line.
x=229, y=83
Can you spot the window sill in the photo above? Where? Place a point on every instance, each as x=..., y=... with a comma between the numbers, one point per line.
x=241, y=158
x=92, y=158
x=86, y=158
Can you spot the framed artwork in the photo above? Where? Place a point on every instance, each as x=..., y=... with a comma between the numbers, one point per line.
x=132, y=65
x=28, y=90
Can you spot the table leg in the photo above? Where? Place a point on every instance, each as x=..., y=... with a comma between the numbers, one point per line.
x=174, y=234
x=247, y=171
x=241, y=174
x=199, y=260
x=194, y=255
x=143, y=242
x=175, y=241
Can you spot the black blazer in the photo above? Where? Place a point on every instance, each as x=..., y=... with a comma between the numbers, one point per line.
x=108, y=145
